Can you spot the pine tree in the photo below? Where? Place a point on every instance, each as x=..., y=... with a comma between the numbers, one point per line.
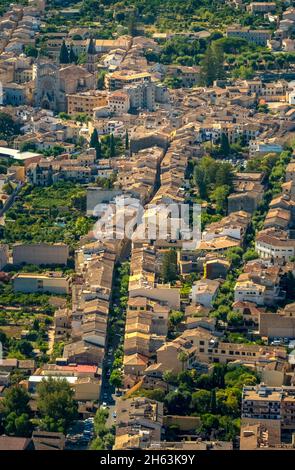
x=126, y=140
x=112, y=146
x=72, y=55
x=64, y=54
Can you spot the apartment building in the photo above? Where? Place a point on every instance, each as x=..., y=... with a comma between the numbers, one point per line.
x=146, y=330
x=142, y=95
x=257, y=36
x=262, y=7
x=46, y=172
x=235, y=226
x=189, y=76
x=119, y=102
x=51, y=282
x=177, y=355
x=260, y=284
x=278, y=325
x=139, y=413
x=278, y=218
x=86, y=102
x=40, y=253
x=117, y=80
x=142, y=280
x=270, y=403
x=273, y=244
x=201, y=346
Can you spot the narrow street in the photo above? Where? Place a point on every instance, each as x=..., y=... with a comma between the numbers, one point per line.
x=115, y=339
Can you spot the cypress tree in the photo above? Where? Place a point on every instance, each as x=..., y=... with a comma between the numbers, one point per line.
x=72, y=55
x=212, y=65
x=213, y=405
x=126, y=140
x=64, y=54
x=112, y=146
x=98, y=150
x=95, y=143
x=224, y=145
x=219, y=60
x=208, y=73
x=94, y=139
x=169, y=266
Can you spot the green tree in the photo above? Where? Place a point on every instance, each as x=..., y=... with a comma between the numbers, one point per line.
x=112, y=144
x=250, y=254
x=132, y=25
x=220, y=196
x=101, y=80
x=182, y=357
x=56, y=405
x=177, y=402
x=31, y=51
x=169, y=266
x=126, y=140
x=15, y=411
x=218, y=375
x=211, y=65
x=72, y=56
x=18, y=425
x=28, y=147
x=95, y=143
x=169, y=377
x=100, y=420
x=116, y=378
x=218, y=60
x=213, y=404
x=97, y=444
x=207, y=73
x=235, y=319
x=64, y=54
x=8, y=127
x=201, y=401
x=176, y=317
x=24, y=347
x=229, y=401
x=224, y=145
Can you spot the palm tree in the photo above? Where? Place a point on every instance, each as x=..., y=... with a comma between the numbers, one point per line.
x=182, y=357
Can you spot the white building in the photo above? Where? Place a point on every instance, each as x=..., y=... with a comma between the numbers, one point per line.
x=270, y=246
x=204, y=292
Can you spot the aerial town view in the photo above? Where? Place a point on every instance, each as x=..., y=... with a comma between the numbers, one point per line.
x=147, y=227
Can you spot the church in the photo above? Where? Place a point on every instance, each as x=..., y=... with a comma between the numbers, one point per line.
x=53, y=83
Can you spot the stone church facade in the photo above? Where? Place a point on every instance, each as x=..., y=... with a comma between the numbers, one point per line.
x=52, y=84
